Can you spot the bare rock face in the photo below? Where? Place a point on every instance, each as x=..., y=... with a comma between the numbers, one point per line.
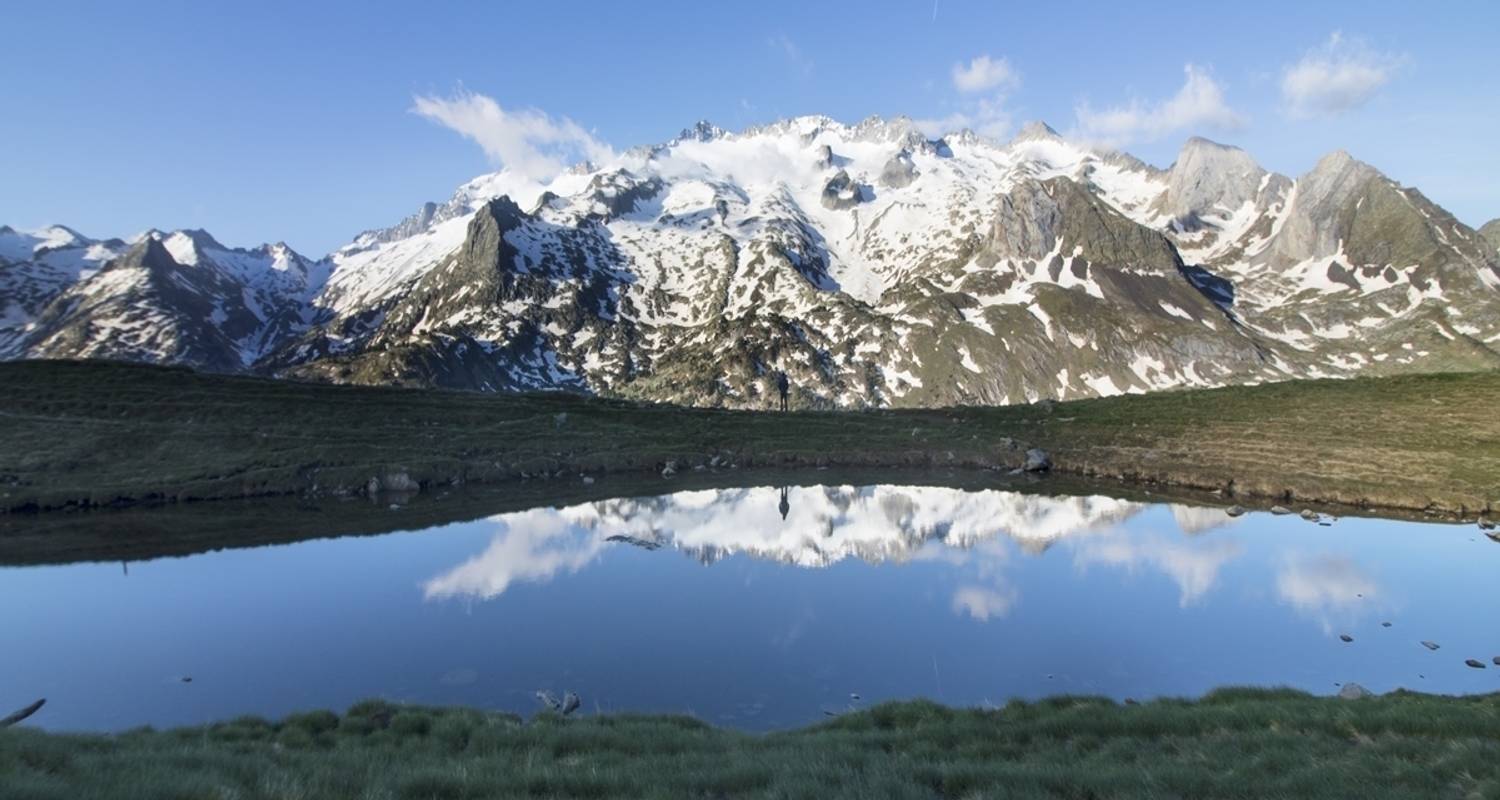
x=1038, y=215
x=1312, y=226
x=842, y=192
x=825, y=156
x=900, y=171
x=1208, y=177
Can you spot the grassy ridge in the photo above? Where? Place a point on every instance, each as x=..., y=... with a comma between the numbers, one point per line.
x=1231, y=744
x=95, y=433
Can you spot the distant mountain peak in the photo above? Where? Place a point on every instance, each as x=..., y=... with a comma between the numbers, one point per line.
x=701, y=131
x=1036, y=130
x=1491, y=232
x=1200, y=143
x=150, y=252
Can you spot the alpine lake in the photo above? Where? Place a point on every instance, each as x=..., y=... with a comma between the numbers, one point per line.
x=757, y=601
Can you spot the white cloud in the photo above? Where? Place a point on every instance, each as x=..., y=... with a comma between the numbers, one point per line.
x=528, y=142
x=1198, y=104
x=1339, y=76
x=987, y=115
x=983, y=74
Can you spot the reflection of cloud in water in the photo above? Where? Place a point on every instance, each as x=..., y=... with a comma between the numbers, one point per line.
x=531, y=545
x=983, y=602
x=1191, y=563
x=824, y=525
x=1200, y=519
x=1326, y=587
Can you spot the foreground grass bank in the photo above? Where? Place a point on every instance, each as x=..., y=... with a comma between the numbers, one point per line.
x=1231, y=744
x=99, y=433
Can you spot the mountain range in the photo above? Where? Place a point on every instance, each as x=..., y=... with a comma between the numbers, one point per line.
x=872, y=264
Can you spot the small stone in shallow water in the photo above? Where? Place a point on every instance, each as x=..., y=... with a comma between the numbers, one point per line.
x=1280, y=510
x=1385, y=624
x=1474, y=662
x=1345, y=638
x=1235, y=511
x=1430, y=645
x=1496, y=659
x=1309, y=515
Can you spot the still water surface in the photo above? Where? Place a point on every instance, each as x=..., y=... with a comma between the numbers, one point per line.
x=713, y=603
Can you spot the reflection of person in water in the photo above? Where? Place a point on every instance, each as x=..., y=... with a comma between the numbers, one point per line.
x=786, y=504
x=784, y=387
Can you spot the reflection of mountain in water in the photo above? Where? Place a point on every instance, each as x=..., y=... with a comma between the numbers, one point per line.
x=823, y=525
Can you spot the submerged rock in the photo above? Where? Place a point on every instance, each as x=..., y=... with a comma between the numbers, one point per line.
x=1309, y=515
x=396, y=480
x=1345, y=638
x=1474, y=662
x=1280, y=510
x=1429, y=645
x=1235, y=511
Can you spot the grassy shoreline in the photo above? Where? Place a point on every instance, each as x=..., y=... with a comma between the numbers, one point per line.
x=80, y=434
x=1231, y=743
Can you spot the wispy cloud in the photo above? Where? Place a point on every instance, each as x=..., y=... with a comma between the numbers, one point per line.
x=988, y=114
x=983, y=73
x=1338, y=76
x=528, y=142
x=789, y=50
x=1200, y=103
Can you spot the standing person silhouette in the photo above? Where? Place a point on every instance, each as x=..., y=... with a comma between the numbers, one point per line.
x=784, y=387
x=785, y=505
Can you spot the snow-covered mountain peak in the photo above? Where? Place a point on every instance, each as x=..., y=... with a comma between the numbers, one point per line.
x=872, y=264
x=701, y=131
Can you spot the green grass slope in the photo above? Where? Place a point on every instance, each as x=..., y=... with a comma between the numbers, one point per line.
x=1230, y=744
x=75, y=433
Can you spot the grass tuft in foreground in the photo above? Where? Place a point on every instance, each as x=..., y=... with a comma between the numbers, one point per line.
x=1239, y=743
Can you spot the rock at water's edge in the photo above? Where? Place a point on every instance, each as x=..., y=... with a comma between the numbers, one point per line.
x=1037, y=460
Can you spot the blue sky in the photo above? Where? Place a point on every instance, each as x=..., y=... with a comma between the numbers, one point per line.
x=295, y=121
